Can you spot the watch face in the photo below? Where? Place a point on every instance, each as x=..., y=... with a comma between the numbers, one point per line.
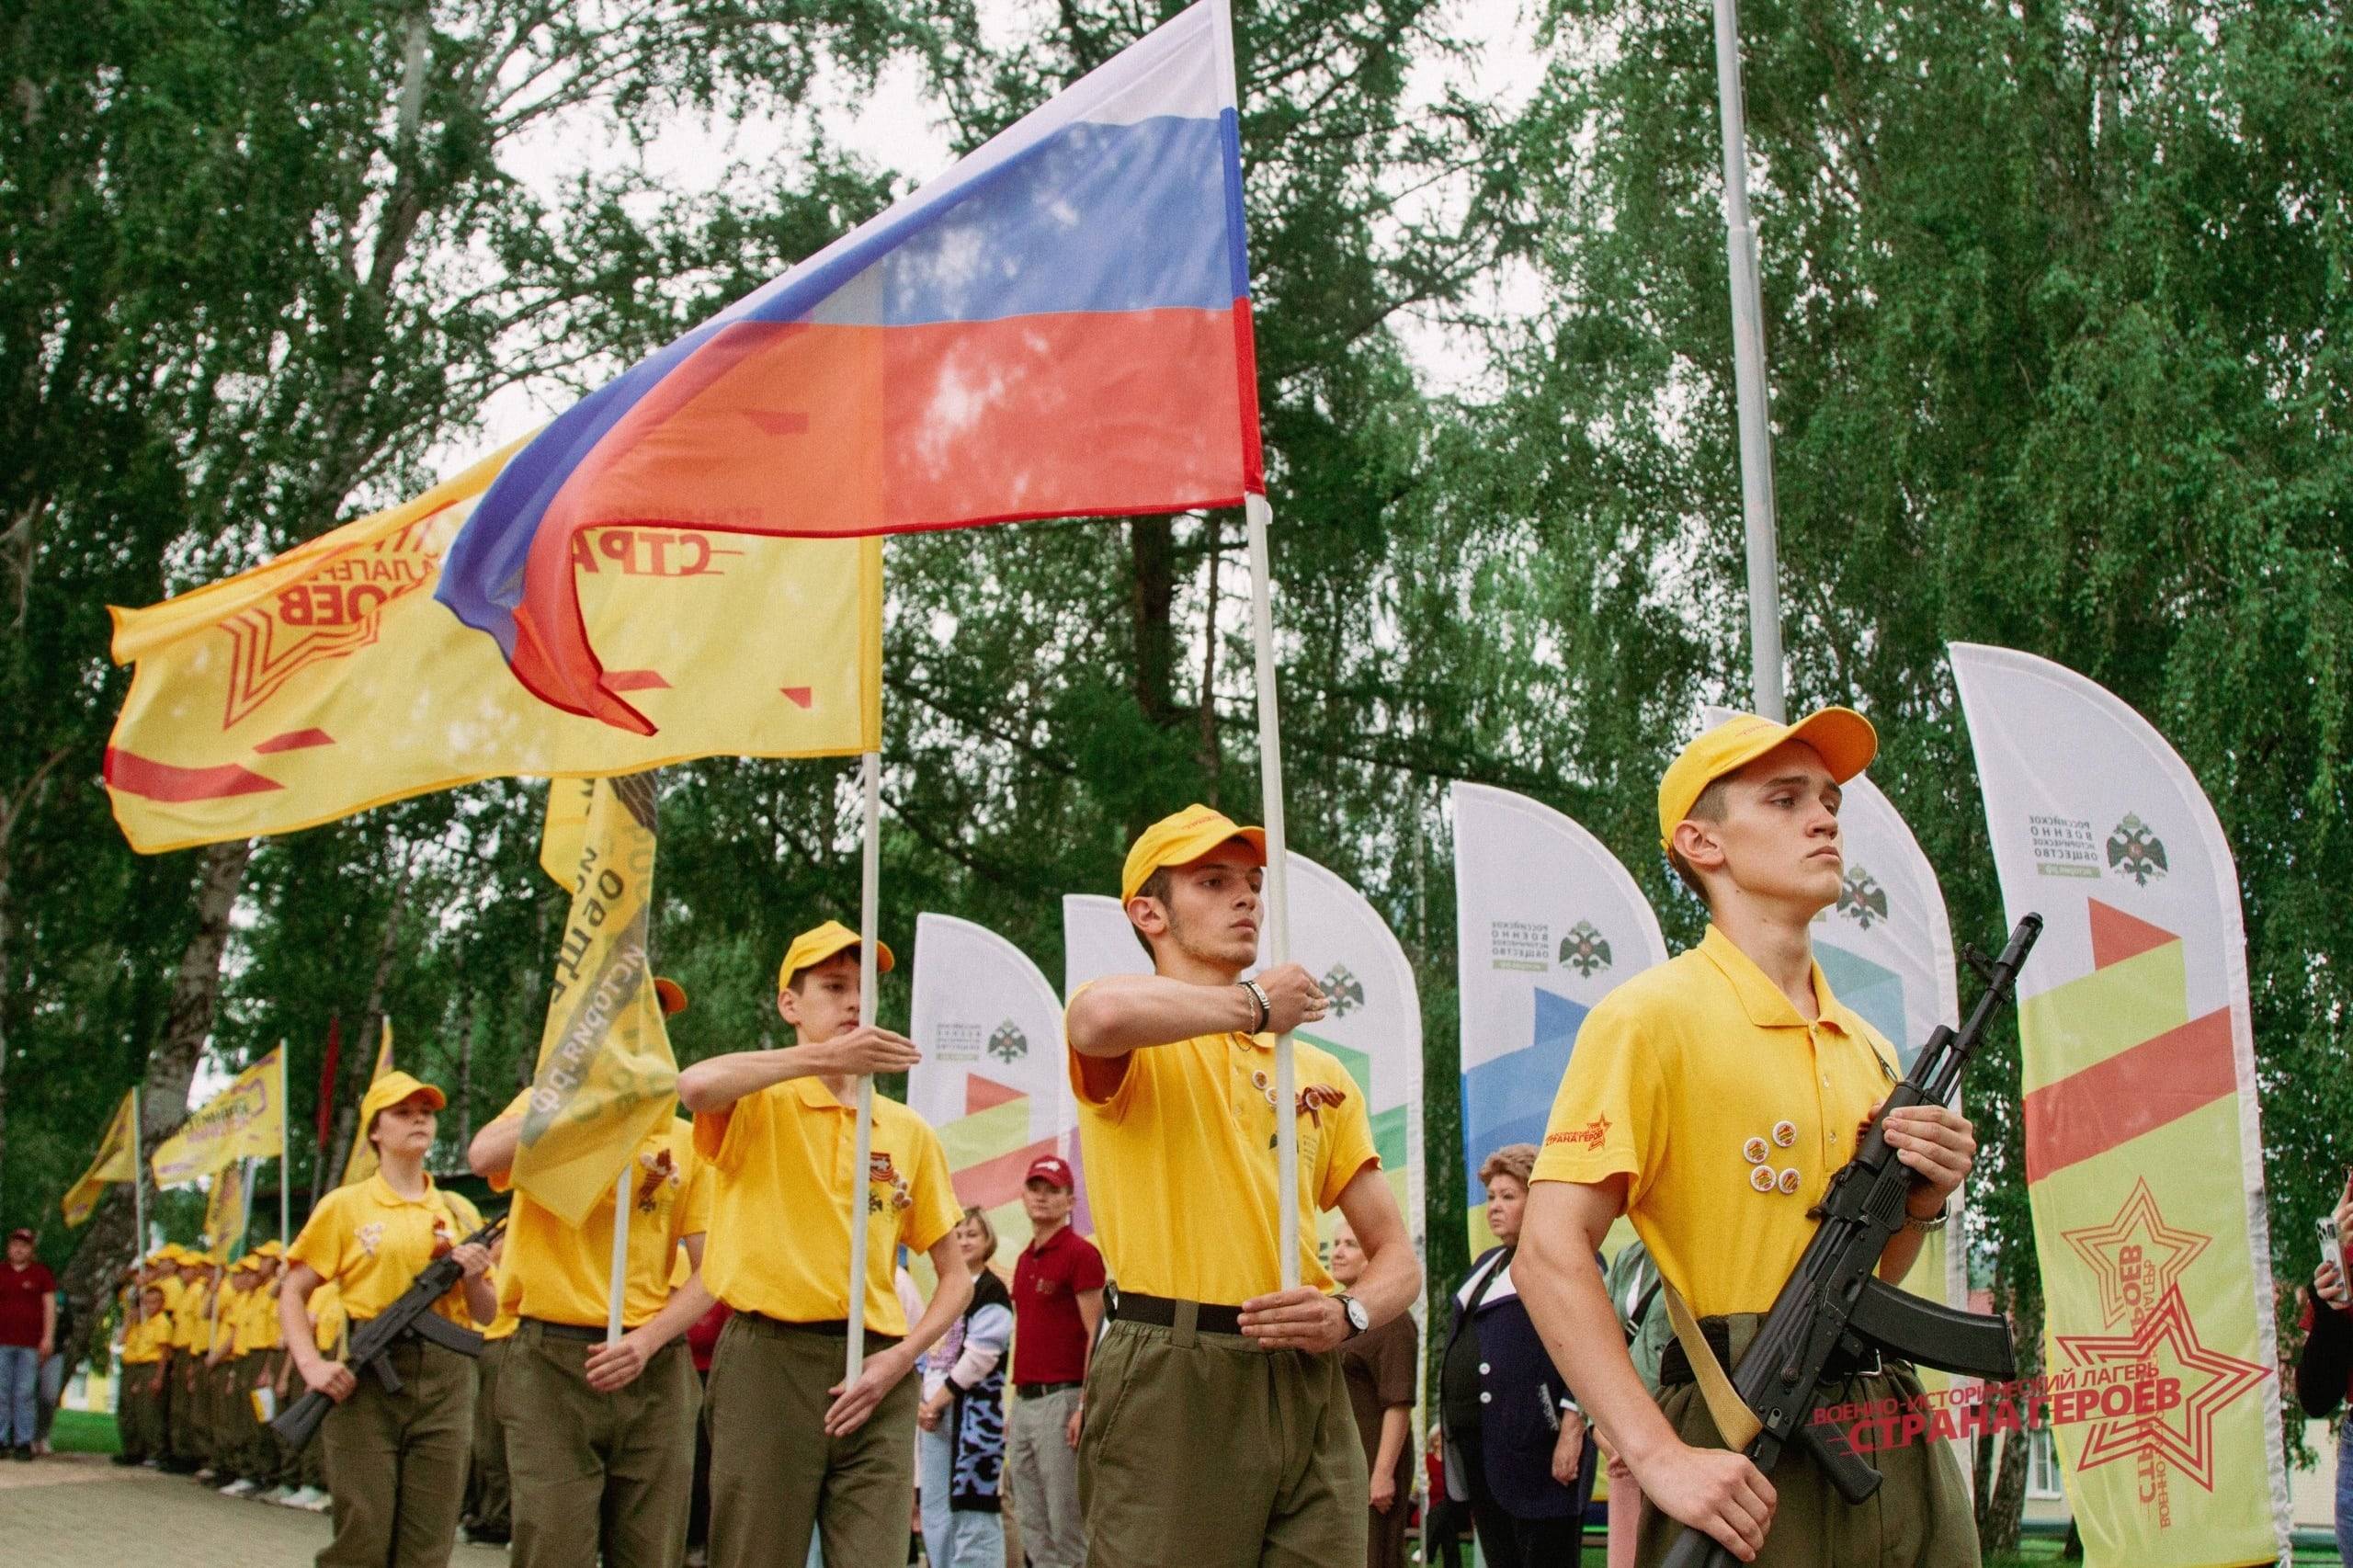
x=1357, y=1318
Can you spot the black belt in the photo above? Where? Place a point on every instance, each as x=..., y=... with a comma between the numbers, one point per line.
x=1133, y=1306
x=565, y=1330
x=1675, y=1366
x=832, y=1328
x=1040, y=1391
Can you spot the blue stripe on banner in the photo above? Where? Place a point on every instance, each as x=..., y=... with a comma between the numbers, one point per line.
x=1092, y=217
x=1089, y=218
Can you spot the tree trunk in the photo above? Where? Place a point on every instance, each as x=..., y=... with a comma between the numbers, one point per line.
x=109, y=1245
x=1999, y=1510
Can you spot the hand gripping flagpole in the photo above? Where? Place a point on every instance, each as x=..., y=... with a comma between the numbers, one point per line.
x=869, y=898
x=1748, y=378
x=1277, y=943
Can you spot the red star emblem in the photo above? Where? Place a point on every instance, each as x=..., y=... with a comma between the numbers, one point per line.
x=2137, y=1255
x=2209, y=1380
x=333, y=612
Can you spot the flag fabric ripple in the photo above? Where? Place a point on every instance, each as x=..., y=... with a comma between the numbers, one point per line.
x=1057, y=326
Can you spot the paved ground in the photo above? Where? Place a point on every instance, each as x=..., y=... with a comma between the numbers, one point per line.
x=80, y=1511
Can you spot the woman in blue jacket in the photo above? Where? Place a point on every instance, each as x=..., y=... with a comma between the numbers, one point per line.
x=1516, y=1443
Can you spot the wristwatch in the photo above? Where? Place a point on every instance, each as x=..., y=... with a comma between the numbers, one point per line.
x=1359, y=1319
x=1926, y=1227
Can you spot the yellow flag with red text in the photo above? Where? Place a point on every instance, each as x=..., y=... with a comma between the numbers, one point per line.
x=117, y=1160
x=606, y=1076
x=330, y=681
x=224, y=1211
x=244, y=1121
x=360, y=1164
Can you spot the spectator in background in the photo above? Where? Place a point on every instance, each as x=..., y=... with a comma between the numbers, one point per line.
x=961, y=1420
x=51, y=1387
x=1379, y=1365
x=1515, y=1437
x=1058, y=1304
x=2325, y=1370
x=28, y=1336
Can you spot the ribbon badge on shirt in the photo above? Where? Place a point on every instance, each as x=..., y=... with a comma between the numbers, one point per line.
x=1315, y=1097
x=658, y=1173
x=880, y=1170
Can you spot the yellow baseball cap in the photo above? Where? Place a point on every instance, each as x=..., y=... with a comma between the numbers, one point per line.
x=1180, y=840
x=1844, y=738
x=814, y=947
x=391, y=1090
x=270, y=1249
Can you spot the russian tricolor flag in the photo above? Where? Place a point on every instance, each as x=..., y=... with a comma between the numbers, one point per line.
x=1057, y=326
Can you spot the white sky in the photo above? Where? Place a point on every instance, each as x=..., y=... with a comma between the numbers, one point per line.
x=901, y=128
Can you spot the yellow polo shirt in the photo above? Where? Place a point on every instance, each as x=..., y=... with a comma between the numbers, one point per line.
x=1727, y=1112
x=262, y=1331
x=143, y=1342
x=373, y=1242
x=557, y=1274
x=1180, y=1163
x=226, y=1322
x=328, y=1320
x=192, y=1317
x=779, y=1228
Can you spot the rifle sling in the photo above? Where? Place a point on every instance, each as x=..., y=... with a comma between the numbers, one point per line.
x=1736, y=1423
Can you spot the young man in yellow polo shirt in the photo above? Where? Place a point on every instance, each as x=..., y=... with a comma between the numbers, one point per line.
x=1217, y=1430
x=794, y=1445
x=600, y=1439
x=139, y=1399
x=1710, y=1100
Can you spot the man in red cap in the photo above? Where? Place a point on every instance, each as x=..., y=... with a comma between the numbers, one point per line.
x=1057, y=1302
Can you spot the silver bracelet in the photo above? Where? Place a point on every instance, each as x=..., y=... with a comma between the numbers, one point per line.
x=1265, y=1008
x=1927, y=1227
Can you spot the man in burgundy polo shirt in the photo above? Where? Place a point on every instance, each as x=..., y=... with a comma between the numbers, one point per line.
x=27, y=1330
x=1057, y=1305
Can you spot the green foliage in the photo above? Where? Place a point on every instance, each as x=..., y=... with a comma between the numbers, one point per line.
x=2057, y=324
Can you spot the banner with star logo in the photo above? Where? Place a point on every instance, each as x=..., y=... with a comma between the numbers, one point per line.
x=330, y=679
x=2143, y=1148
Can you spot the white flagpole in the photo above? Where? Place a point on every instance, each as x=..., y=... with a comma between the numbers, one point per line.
x=138, y=1181
x=619, y=1284
x=1271, y=761
x=284, y=1153
x=869, y=913
x=1748, y=378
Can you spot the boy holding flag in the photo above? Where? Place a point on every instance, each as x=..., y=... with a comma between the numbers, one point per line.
x=600, y=1438
x=796, y=1445
x=1218, y=1430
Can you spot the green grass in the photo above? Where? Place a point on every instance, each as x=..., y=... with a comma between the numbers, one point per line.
x=85, y=1432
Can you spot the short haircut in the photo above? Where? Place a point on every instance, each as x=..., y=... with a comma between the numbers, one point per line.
x=980, y=1216
x=1517, y=1160
x=1713, y=805
x=1158, y=885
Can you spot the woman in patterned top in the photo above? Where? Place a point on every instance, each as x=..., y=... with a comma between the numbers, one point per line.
x=962, y=1416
